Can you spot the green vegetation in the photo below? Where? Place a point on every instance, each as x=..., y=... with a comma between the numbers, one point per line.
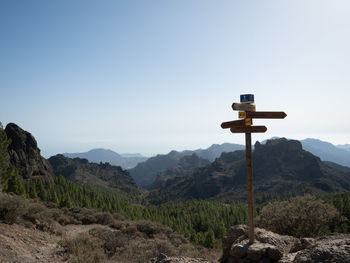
x=190, y=218
x=127, y=241
x=4, y=156
x=302, y=216
x=203, y=222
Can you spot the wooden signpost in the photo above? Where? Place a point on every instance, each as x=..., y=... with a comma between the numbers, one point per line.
x=246, y=114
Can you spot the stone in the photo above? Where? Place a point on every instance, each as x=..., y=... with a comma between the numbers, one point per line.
x=287, y=258
x=239, y=251
x=302, y=244
x=257, y=250
x=281, y=242
x=234, y=233
x=274, y=253
x=272, y=247
x=335, y=248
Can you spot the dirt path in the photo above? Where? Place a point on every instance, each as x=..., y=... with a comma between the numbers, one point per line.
x=25, y=245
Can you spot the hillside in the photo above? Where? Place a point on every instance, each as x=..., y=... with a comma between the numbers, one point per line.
x=145, y=173
x=35, y=232
x=126, y=161
x=83, y=172
x=280, y=168
x=25, y=157
x=185, y=167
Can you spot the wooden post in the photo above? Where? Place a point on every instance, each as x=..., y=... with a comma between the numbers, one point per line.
x=248, y=155
x=247, y=111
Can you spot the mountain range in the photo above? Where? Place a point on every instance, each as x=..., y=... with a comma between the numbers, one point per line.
x=328, y=152
x=280, y=168
x=145, y=170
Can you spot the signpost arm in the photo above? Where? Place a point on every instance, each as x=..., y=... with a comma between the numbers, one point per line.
x=248, y=154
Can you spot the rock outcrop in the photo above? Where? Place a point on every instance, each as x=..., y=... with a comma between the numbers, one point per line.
x=25, y=154
x=275, y=248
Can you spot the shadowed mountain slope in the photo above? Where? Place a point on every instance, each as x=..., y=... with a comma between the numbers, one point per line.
x=185, y=166
x=83, y=172
x=145, y=173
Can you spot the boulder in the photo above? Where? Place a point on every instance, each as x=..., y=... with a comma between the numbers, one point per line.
x=25, y=154
x=329, y=249
x=268, y=247
x=275, y=248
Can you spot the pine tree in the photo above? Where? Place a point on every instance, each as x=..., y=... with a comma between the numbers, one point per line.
x=42, y=193
x=4, y=156
x=32, y=190
x=209, y=238
x=14, y=183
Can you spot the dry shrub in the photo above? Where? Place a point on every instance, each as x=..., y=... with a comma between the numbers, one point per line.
x=118, y=217
x=150, y=228
x=84, y=249
x=41, y=216
x=117, y=225
x=131, y=245
x=302, y=216
x=104, y=218
x=12, y=208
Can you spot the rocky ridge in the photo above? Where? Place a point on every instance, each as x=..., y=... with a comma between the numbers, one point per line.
x=25, y=154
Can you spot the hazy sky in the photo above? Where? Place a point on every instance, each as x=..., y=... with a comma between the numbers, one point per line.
x=152, y=76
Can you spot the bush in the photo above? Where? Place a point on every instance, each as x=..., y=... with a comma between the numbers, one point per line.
x=302, y=216
x=150, y=228
x=12, y=208
x=85, y=248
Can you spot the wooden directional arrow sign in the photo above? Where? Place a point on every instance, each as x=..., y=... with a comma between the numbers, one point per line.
x=248, y=129
x=230, y=124
x=266, y=115
x=243, y=107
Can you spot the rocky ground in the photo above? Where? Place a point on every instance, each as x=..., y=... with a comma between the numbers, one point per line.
x=22, y=244
x=271, y=247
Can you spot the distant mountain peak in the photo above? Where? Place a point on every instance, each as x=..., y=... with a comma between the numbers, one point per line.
x=98, y=155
